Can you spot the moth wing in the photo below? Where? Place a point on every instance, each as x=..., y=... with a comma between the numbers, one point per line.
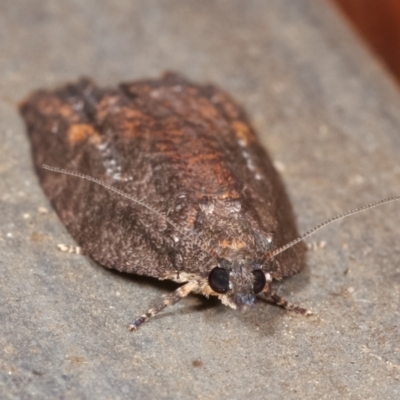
x=63, y=127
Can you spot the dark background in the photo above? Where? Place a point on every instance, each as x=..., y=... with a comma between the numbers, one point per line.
x=378, y=22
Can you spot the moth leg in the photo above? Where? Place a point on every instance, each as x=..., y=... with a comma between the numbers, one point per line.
x=168, y=300
x=281, y=302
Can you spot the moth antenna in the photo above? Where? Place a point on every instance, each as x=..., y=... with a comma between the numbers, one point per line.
x=127, y=196
x=281, y=249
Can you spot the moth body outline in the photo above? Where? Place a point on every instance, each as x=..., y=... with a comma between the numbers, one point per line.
x=191, y=154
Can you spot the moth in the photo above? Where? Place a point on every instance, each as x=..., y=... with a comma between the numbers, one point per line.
x=174, y=185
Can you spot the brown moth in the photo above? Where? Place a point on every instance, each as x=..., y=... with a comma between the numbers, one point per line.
x=199, y=201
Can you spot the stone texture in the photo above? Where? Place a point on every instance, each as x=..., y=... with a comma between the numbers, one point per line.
x=329, y=116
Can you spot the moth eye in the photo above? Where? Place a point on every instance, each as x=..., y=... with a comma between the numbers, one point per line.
x=259, y=281
x=218, y=279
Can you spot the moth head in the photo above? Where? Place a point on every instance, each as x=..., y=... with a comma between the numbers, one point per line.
x=237, y=285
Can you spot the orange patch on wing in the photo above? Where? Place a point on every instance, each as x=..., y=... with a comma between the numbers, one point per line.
x=206, y=109
x=242, y=132
x=234, y=244
x=79, y=132
x=202, y=158
x=232, y=195
x=131, y=113
x=131, y=122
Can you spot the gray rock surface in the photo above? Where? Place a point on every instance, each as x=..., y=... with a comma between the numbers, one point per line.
x=330, y=117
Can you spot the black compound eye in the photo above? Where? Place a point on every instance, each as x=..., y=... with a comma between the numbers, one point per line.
x=259, y=281
x=218, y=279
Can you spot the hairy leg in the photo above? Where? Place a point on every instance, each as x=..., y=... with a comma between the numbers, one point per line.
x=273, y=298
x=168, y=300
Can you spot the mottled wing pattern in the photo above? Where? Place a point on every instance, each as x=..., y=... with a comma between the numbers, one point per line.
x=263, y=185
x=72, y=128
x=186, y=150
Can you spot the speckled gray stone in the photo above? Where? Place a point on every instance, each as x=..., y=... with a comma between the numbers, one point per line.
x=330, y=117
